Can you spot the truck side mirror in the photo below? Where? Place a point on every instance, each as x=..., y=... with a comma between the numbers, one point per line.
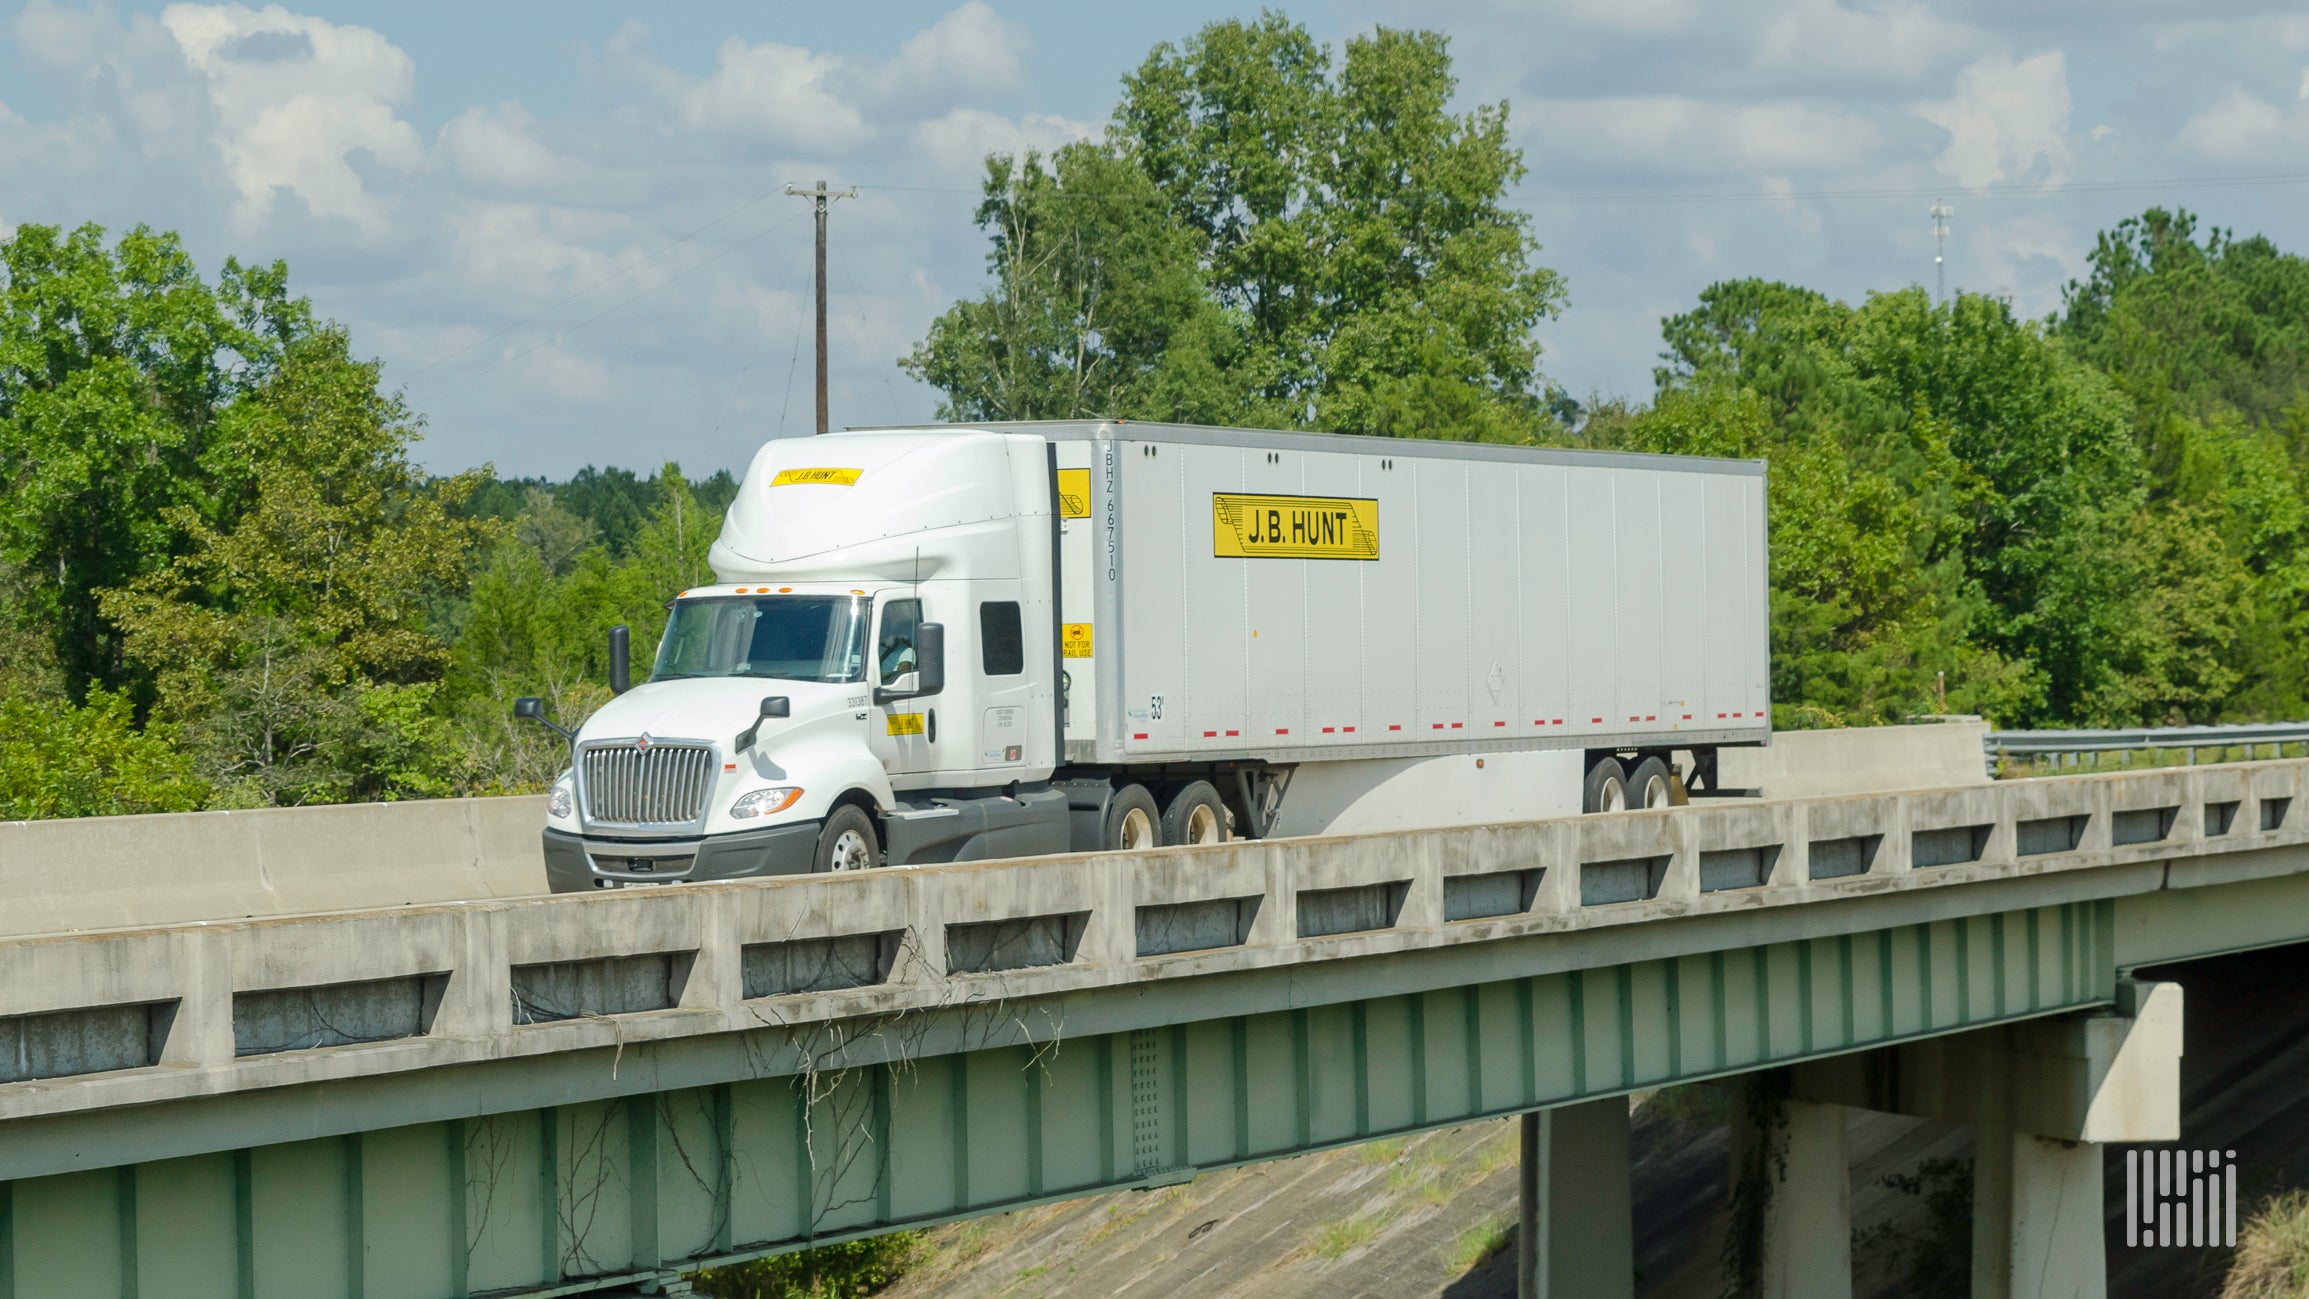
x=931, y=644
x=530, y=708
x=772, y=706
x=620, y=659
x=928, y=675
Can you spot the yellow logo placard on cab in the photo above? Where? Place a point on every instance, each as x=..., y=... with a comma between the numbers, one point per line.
x=905, y=723
x=1294, y=527
x=1074, y=640
x=1074, y=493
x=815, y=477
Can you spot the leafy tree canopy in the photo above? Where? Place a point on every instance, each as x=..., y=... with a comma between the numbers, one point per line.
x=1263, y=237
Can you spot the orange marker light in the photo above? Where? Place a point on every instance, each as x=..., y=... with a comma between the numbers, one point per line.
x=785, y=590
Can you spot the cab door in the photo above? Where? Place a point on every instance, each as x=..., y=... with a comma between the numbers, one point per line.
x=903, y=731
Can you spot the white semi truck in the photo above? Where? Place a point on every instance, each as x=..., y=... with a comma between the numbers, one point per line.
x=955, y=643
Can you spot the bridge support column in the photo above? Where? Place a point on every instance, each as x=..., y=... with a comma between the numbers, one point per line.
x=1792, y=1183
x=1577, y=1236
x=2042, y=1098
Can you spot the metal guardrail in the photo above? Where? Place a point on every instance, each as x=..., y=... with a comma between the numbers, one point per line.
x=2189, y=740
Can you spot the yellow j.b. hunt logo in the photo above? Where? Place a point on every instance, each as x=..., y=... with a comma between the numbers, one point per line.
x=815, y=477
x=1294, y=527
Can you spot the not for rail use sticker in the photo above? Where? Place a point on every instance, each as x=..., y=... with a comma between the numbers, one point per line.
x=1294, y=527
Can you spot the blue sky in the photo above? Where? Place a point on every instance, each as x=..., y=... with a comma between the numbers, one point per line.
x=557, y=223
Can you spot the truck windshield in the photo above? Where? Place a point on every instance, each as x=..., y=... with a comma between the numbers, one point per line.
x=790, y=637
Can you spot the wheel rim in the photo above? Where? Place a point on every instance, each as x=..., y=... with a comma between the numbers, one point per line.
x=1202, y=824
x=852, y=852
x=1614, y=797
x=1137, y=830
x=1656, y=792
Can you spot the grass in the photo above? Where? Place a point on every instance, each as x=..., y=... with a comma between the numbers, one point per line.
x=2272, y=1251
x=1473, y=1246
x=1384, y=1152
x=1336, y=1239
x=1499, y=1152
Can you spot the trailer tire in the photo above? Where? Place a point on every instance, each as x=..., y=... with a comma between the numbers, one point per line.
x=1132, y=822
x=1649, y=787
x=1195, y=816
x=1606, y=789
x=846, y=842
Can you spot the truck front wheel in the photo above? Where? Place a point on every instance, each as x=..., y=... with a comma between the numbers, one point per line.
x=846, y=842
x=1131, y=822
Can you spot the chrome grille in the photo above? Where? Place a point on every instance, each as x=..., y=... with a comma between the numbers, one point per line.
x=664, y=784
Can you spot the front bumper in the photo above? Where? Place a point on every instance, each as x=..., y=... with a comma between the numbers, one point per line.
x=574, y=863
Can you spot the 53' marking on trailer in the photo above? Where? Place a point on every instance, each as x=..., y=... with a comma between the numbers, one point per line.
x=1294, y=527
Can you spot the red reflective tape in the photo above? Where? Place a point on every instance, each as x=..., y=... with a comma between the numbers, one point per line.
x=1719, y=717
x=1282, y=730
x=1210, y=735
x=1234, y=732
x=1329, y=730
x=1350, y=730
x=1650, y=717
x=1595, y=721
x=1687, y=717
x=1557, y=722
x=1456, y=725
x=1394, y=727
x=1499, y=723
x=1437, y=725
x=1139, y=736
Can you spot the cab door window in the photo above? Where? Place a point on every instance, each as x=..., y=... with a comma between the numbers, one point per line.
x=895, y=652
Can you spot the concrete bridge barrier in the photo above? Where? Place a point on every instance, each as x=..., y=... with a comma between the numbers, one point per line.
x=125, y=872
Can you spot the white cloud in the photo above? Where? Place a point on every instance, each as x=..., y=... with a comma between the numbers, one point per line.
x=780, y=93
x=970, y=55
x=1900, y=41
x=296, y=99
x=2244, y=127
x=2008, y=120
x=498, y=146
x=959, y=142
x=1673, y=133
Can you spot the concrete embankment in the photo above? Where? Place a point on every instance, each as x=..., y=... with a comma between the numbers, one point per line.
x=117, y=872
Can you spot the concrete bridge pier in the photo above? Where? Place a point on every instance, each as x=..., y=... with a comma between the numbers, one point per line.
x=1577, y=1235
x=2042, y=1097
x=1791, y=1185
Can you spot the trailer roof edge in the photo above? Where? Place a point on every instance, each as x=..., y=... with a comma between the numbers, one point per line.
x=1074, y=430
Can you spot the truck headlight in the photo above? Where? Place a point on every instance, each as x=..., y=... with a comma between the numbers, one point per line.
x=765, y=802
x=560, y=803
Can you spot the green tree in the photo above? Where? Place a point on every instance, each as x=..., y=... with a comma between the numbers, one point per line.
x=543, y=597
x=1264, y=238
x=271, y=637
x=57, y=759
x=117, y=366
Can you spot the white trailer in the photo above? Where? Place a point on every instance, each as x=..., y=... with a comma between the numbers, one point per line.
x=1098, y=634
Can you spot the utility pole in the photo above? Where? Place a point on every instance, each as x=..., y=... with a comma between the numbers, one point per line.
x=1940, y=214
x=821, y=196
